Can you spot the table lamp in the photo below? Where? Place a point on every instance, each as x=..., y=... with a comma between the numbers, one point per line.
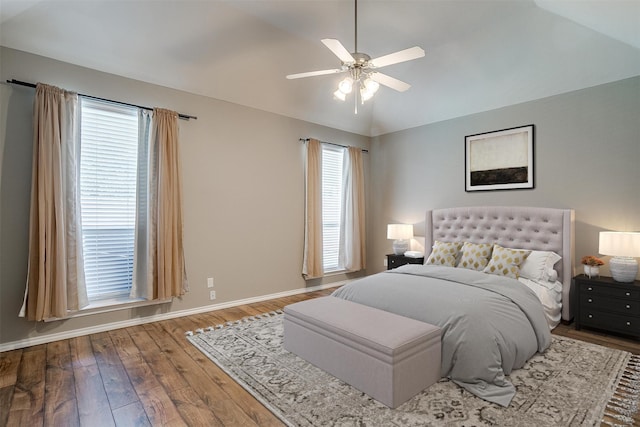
x=401, y=233
x=624, y=247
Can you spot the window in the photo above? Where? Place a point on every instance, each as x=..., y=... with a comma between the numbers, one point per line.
x=334, y=233
x=332, y=182
x=108, y=177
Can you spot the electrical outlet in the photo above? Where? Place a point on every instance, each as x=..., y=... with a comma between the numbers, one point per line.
x=384, y=262
x=212, y=295
x=210, y=282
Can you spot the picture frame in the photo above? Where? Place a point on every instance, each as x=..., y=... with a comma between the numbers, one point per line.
x=500, y=160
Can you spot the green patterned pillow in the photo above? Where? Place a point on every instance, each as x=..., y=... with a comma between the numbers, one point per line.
x=506, y=262
x=475, y=256
x=444, y=253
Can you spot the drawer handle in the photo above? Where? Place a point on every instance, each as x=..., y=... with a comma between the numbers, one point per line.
x=589, y=288
x=628, y=294
x=591, y=316
x=628, y=306
x=628, y=323
x=589, y=300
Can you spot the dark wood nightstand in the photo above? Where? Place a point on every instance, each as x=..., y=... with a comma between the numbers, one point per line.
x=394, y=261
x=605, y=304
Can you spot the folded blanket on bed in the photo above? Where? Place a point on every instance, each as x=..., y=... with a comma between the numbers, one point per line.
x=490, y=324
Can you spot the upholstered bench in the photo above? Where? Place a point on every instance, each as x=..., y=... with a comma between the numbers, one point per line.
x=389, y=357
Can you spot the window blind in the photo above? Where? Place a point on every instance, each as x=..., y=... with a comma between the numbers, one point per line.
x=332, y=158
x=108, y=175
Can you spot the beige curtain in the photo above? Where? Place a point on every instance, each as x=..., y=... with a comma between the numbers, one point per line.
x=312, y=258
x=352, y=254
x=163, y=274
x=55, y=276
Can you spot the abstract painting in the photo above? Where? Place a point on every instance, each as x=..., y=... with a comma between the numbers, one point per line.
x=499, y=160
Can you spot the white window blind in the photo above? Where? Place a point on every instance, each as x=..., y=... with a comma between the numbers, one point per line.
x=332, y=158
x=108, y=174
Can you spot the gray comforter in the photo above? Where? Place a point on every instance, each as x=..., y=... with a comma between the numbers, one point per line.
x=490, y=324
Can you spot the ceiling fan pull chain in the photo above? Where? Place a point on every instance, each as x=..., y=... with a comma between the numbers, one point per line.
x=355, y=104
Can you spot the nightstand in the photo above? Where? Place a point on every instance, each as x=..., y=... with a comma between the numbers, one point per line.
x=605, y=304
x=394, y=261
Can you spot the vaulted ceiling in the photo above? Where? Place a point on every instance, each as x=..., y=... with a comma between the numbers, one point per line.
x=480, y=54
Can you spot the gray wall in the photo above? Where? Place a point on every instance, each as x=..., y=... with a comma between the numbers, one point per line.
x=243, y=182
x=587, y=158
x=243, y=191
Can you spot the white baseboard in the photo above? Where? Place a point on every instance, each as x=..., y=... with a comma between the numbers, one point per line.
x=28, y=342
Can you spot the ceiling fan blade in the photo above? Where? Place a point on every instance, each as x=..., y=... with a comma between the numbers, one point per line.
x=313, y=73
x=389, y=81
x=397, y=57
x=339, y=50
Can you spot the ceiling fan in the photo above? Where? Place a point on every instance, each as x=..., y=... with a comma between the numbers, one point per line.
x=361, y=69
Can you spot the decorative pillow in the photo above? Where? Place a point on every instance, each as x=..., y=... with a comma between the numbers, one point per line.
x=538, y=264
x=505, y=262
x=475, y=256
x=444, y=253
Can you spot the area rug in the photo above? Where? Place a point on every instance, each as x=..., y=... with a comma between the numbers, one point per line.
x=572, y=384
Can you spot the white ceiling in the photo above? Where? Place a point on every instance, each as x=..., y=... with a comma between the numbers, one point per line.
x=480, y=55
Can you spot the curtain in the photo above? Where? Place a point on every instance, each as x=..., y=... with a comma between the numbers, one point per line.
x=144, y=267
x=160, y=271
x=55, y=275
x=312, y=257
x=352, y=254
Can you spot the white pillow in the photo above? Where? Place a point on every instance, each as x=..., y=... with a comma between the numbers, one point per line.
x=539, y=265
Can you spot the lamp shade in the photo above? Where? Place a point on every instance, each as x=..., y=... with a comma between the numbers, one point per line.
x=624, y=247
x=346, y=85
x=621, y=244
x=399, y=231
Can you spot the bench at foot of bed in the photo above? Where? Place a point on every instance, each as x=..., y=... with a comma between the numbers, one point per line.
x=389, y=357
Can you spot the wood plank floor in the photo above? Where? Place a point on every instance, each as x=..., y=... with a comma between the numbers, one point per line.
x=149, y=375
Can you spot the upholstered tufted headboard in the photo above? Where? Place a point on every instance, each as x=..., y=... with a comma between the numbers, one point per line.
x=542, y=229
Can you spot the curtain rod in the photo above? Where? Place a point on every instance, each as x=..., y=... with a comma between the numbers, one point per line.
x=333, y=143
x=181, y=116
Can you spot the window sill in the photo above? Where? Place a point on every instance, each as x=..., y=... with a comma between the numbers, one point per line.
x=109, y=305
x=335, y=272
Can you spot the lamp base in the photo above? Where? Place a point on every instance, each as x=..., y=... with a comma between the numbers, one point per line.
x=623, y=269
x=400, y=246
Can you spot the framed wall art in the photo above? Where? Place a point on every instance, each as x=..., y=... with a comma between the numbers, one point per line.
x=499, y=160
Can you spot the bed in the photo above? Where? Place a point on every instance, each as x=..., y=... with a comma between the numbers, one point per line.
x=491, y=324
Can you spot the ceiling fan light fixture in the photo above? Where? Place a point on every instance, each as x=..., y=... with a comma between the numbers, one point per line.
x=371, y=85
x=368, y=88
x=365, y=95
x=339, y=95
x=346, y=85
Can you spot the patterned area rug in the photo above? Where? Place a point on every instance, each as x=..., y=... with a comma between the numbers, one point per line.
x=572, y=384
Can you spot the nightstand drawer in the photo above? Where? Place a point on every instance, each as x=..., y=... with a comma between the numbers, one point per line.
x=589, y=288
x=600, y=302
x=394, y=261
x=609, y=321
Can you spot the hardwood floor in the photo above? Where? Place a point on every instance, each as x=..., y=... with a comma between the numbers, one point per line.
x=149, y=375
